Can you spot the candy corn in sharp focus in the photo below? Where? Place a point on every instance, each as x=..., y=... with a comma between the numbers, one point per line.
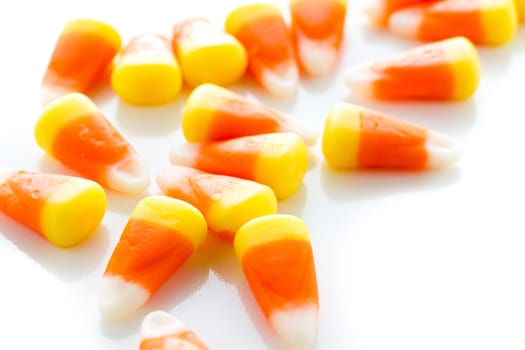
x=72, y=130
x=356, y=138
x=317, y=33
x=226, y=202
x=277, y=260
x=277, y=160
x=484, y=22
x=380, y=10
x=65, y=210
x=147, y=72
x=445, y=70
x=263, y=32
x=207, y=54
x=83, y=53
x=213, y=113
x=161, y=234
x=162, y=331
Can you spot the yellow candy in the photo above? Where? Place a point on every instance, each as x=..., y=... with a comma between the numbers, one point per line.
x=147, y=72
x=520, y=7
x=208, y=55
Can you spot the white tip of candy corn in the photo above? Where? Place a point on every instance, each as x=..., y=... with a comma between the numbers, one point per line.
x=297, y=327
x=282, y=82
x=360, y=81
x=406, y=22
x=307, y=133
x=317, y=58
x=442, y=150
x=185, y=154
x=50, y=93
x=119, y=299
x=129, y=176
x=5, y=174
x=159, y=324
x=375, y=10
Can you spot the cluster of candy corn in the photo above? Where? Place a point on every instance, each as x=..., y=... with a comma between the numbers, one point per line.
x=484, y=22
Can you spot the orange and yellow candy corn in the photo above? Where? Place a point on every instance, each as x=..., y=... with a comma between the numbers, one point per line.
x=207, y=54
x=380, y=10
x=72, y=130
x=276, y=256
x=520, y=8
x=484, y=22
x=147, y=72
x=356, y=138
x=226, y=202
x=82, y=55
x=317, y=33
x=161, y=234
x=162, y=331
x=445, y=70
x=65, y=210
x=213, y=113
x=276, y=160
x=261, y=29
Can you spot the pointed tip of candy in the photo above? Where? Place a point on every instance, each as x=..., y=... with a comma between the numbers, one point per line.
x=119, y=299
x=406, y=22
x=360, y=81
x=283, y=82
x=129, y=176
x=442, y=150
x=297, y=327
x=170, y=176
x=50, y=93
x=159, y=323
x=185, y=154
x=317, y=58
x=307, y=133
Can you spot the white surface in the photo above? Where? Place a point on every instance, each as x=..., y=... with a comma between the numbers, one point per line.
x=431, y=260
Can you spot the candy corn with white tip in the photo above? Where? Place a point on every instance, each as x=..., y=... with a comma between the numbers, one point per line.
x=65, y=210
x=261, y=29
x=208, y=54
x=162, y=331
x=484, y=22
x=226, y=202
x=520, y=8
x=317, y=33
x=445, y=70
x=357, y=138
x=72, y=130
x=380, y=10
x=277, y=160
x=277, y=260
x=213, y=113
x=161, y=234
x=82, y=55
x=147, y=72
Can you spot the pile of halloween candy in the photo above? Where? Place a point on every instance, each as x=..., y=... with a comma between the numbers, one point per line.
x=241, y=157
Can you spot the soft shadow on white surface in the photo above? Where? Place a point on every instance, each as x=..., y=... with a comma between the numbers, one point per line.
x=69, y=264
x=294, y=205
x=122, y=203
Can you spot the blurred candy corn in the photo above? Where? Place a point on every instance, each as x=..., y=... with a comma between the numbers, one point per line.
x=276, y=160
x=72, y=130
x=65, y=210
x=380, y=10
x=484, y=22
x=277, y=260
x=226, y=202
x=317, y=33
x=147, y=72
x=207, y=54
x=215, y=114
x=83, y=53
x=162, y=331
x=445, y=70
x=261, y=29
x=161, y=234
x=356, y=138
x=520, y=8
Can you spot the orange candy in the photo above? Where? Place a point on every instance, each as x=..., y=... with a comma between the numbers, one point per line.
x=380, y=10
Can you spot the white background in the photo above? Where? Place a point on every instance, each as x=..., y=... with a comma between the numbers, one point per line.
x=431, y=260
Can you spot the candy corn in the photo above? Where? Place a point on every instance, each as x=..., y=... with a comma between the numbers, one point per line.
x=147, y=72
x=484, y=22
x=277, y=260
x=356, y=138
x=207, y=54
x=261, y=29
x=161, y=234
x=520, y=8
x=82, y=55
x=226, y=202
x=215, y=114
x=65, y=210
x=72, y=130
x=380, y=10
x=445, y=70
x=317, y=32
x=276, y=160
x=162, y=331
